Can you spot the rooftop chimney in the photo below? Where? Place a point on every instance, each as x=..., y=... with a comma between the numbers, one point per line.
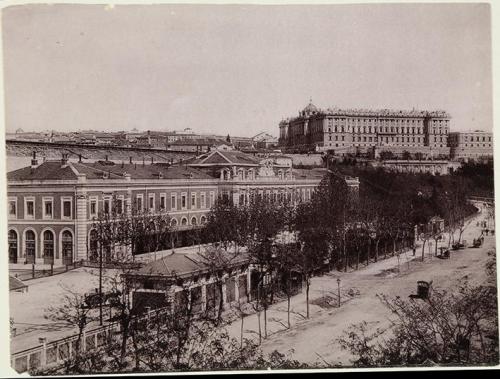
x=64, y=160
x=80, y=158
x=34, y=161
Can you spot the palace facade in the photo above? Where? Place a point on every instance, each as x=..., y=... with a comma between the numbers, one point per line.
x=471, y=145
x=52, y=205
x=366, y=131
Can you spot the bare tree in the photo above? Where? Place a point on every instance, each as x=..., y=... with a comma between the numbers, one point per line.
x=72, y=311
x=448, y=328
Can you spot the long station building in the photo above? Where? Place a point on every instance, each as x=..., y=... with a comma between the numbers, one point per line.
x=52, y=205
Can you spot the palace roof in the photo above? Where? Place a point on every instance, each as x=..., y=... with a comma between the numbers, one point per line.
x=310, y=109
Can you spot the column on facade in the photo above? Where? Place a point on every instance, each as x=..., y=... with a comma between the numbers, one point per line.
x=204, y=296
x=236, y=197
x=81, y=220
x=224, y=288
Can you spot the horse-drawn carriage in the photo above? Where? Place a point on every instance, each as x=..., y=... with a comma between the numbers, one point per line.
x=93, y=300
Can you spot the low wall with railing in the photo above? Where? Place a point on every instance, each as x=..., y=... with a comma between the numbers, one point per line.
x=57, y=352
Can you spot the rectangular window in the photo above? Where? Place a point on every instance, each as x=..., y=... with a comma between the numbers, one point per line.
x=193, y=200
x=183, y=200
x=66, y=206
x=12, y=208
x=140, y=206
x=93, y=207
x=29, y=207
x=212, y=198
x=48, y=206
x=119, y=205
x=163, y=201
x=151, y=203
x=107, y=206
x=173, y=202
x=203, y=203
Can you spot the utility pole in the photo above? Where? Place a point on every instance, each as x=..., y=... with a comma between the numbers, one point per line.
x=100, y=284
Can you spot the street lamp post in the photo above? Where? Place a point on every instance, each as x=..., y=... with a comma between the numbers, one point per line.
x=338, y=286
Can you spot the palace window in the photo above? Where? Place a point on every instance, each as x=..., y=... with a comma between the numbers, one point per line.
x=193, y=200
x=173, y=202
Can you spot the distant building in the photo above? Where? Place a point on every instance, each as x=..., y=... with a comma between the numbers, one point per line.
x=465, y=146
x=264, y=140
x=433, y=167
x=198, y=145
x=366, y=131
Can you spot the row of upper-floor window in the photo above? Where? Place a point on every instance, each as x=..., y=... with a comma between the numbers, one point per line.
x=477, y=138
x=375, y=121
x=375, y=139
x=49, y=210
x=374, y=129
x=478, y=145
x=274, y=195
x=151, y=202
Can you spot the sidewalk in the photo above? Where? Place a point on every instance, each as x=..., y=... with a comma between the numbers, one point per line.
x=28, y=267
x=314, y=340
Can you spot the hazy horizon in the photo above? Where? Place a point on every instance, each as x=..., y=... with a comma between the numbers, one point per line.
x=236, y=69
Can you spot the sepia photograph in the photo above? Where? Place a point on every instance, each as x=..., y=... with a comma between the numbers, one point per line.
x=247, y=187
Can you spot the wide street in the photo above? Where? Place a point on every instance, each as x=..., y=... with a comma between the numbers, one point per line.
x=312, y=340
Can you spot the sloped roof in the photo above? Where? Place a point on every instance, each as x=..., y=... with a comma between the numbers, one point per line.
x=317, y=173
x=139, y=171
x=53, y=170
x=50, y=170
x=200, y=141
x=16, y=284
x=182, y=264
x=219, y=157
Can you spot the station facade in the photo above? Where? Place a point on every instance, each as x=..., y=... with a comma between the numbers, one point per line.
x=52, y=205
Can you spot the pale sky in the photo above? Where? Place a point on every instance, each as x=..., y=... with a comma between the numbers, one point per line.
x=240, y=69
